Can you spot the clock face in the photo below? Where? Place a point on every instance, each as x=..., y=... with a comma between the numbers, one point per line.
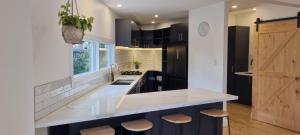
x=203, y=29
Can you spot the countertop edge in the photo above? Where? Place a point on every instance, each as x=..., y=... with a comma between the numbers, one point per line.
x=137, y=112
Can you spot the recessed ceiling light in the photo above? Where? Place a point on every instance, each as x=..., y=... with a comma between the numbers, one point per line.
x=254, y=9
x=156, y=16
x=234, y=6
x=132, y=22
x=153, y=22
x=119, y=5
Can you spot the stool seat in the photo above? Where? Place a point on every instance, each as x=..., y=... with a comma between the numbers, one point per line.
x=137, y=125
x=217, y=113
x=177, y=118
x=104, y=130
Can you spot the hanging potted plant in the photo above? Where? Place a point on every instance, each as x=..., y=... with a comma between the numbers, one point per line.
x=73, y=26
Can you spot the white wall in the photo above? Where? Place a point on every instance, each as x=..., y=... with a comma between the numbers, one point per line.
x=231, y=20
x=270, y=11
x=244, y=18
x=52, y=57
x=208, y=55
x=265, y=12
x=16, y=90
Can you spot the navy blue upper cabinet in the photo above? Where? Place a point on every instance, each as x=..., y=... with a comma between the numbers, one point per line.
x=128, y=33
x=179, y=33
x=147, y=39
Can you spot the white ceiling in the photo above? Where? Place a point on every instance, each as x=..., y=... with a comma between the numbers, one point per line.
x=143, y=11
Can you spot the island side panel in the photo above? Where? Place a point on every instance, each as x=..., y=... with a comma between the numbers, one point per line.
x=206, y=125
x=200, y=125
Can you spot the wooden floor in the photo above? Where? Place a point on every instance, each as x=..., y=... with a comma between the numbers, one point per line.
x=241, y=123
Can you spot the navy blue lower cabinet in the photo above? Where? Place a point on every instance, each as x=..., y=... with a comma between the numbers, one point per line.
x=200, y=125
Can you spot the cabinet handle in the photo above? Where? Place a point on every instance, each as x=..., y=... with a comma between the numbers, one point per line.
x=181, y=37
x=232, y=69
x=177, y=54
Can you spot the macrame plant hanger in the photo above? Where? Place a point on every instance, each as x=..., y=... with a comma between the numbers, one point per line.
x=71, y=34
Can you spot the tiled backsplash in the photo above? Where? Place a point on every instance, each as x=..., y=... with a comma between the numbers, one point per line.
x=151, y=59
x=54, y=95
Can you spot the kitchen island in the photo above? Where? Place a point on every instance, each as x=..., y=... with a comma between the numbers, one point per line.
x=110, y=105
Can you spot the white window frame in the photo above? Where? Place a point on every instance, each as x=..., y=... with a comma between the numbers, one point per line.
x=96, y=71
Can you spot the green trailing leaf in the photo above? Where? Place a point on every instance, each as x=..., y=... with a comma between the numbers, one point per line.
x=80, y=22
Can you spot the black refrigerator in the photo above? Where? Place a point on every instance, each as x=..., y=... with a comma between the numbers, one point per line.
x=177, y=58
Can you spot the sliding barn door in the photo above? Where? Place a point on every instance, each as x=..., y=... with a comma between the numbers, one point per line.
x=276, y=80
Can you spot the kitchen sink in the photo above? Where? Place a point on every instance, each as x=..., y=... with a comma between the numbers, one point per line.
x=122, y=82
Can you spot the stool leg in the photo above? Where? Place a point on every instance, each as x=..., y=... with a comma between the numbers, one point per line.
x=228, y=125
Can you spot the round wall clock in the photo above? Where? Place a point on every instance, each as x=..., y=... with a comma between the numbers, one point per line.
x=203, y=29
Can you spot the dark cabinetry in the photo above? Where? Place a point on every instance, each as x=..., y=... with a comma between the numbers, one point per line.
x=177, y=60
x=128, y=33
x=155, y=38
x=244, y=89
x=147, y=39
x=148, y=83
x=176, y=67
x=179, y=33
x=174, y=83
x=238, y=61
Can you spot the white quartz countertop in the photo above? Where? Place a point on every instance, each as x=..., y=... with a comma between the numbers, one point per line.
x=112, y=101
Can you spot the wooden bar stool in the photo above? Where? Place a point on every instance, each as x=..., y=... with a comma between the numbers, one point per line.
x=104, y=130
x=176, y=119
x=141, y=125
x=217, y=113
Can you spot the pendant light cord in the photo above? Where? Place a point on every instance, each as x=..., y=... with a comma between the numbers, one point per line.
x=76, y=7
x=72, y=7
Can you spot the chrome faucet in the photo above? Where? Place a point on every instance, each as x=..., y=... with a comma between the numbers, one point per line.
x=112, y=73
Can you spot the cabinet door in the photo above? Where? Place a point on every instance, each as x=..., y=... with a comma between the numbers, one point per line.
x=181, y=61
x=179, y=33
x=123, y=32
x=231, y=61
x=174, y=34
x=183, y=32
x=181, y=84
x=244, y=89
x=171, y=55
x=136, y=38
x=147, y=38
x=170, y=83
x=174, y=83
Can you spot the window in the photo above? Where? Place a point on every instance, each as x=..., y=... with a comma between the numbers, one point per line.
x=91, y=56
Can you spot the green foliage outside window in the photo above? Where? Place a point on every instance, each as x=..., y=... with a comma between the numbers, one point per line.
x=81, y=62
